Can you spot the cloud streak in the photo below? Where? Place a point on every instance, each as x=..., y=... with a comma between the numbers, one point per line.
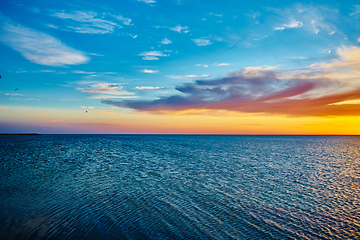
x=187, y=76
x=39, y=47
x=149, y=71
x=147, y=88
x=166, y=41
x=202, y=41
x=88, y=22
x=153, y=55
x=180, y=29
x=147, y=1
x=292, y=24
x=105, y=91
x=263, y=90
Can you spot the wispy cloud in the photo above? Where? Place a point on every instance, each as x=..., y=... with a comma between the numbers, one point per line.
x=222, y=64
x=105, y=111
x=201, y=65
x=314, y=18
x=89, y=22
x=292, y=24
x=150, y=58
x=345, y=68
x=202, y=41
x=187, y=76
x=14, y=94
x=149, y=71
x=217, y=15
x=125, y=21
x=324, y=89
x=311, y=18
x=153, y=55
x=166, y=41
x=147, y=88
x=355, y=10
x=96, y=54
x=82, y=72
x=147, y=1
x=104, y=90
x=180, y=29
x=39, y=47
x=104, y=96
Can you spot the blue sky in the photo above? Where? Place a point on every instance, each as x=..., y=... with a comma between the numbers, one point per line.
x=150, y=55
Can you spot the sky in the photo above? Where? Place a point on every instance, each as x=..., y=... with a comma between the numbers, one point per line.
x=180, y=67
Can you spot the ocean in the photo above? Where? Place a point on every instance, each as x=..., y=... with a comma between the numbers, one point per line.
x=179, y=187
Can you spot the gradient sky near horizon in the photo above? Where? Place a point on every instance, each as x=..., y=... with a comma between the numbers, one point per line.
x=180, y=66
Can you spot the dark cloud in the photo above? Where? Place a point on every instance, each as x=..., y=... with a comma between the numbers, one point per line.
x=256, y=90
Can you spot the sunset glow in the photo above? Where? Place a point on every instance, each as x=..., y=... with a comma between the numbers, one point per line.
x=180, y=67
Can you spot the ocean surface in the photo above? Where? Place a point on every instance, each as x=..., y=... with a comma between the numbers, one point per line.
x=179, y=187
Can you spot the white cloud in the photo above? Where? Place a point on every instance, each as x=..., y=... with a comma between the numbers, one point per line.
x=103, y=96
x=147, y=88
x=51, y=26
x=150, y=58
x=217, y=15
x=355, y=11
x=104, y=90
x=202, y=65
x=202, y=41
x=96, y=54
x=188, y=76
x=152, y=55
x=147, y=1
x=14, y=94
x=279, y=28
x=166, y=41
x=89, y=22
x=82, y=72
x=39, y=47
x=313, y=19
x=223, y=64
x=132, y=35
x=149, y=71
x=180, y=29
x=125, y=21
x=292, y=24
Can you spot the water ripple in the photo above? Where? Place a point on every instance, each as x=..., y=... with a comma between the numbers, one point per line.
x=179, y=187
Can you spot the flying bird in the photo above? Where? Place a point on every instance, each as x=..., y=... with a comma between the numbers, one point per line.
x=16, y=89
x=86, y=111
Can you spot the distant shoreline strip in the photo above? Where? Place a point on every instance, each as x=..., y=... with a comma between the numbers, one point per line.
x=28, y=134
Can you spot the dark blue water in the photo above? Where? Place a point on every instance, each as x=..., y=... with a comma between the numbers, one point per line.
x=179, y=187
